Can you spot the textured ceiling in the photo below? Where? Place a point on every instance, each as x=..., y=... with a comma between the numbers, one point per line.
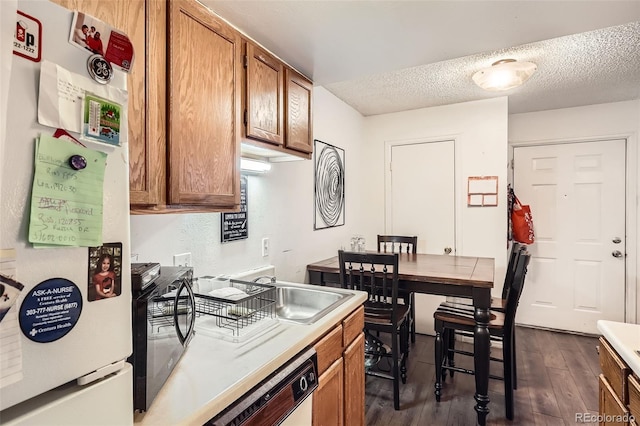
x=390, y=56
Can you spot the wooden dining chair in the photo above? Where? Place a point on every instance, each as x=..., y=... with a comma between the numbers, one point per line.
x=497, y=304
x=501, y=324
x=402, y=244
x=377, y=274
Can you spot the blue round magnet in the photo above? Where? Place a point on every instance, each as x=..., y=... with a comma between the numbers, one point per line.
x=50, y=310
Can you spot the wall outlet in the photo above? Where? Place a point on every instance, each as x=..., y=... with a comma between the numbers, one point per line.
x=265, y=247
x=182, y=259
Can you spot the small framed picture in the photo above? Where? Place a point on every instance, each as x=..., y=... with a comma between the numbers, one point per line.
x=105, y=271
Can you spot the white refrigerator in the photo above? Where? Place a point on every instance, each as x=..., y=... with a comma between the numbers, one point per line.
x=64, y=340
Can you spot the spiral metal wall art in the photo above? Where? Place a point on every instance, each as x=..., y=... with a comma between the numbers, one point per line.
x=329, y=185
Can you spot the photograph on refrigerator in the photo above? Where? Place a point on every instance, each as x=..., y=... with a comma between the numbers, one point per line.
x=105, y=271
x=92, y=34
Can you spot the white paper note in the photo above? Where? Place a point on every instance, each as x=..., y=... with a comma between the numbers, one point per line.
x=61, y=94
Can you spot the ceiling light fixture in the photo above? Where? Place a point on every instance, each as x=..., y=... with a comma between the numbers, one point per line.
x=504, y=74
x=250, y=165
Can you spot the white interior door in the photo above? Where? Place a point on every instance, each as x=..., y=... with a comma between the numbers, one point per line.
x=420, y=200
x=577, y=197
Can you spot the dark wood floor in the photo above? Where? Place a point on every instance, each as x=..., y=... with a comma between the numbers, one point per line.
x=557, y=378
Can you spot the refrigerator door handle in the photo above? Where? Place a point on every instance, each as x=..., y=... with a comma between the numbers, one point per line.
x=100, y=373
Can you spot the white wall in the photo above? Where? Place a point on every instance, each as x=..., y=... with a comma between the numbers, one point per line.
x=593, y=122
x=480, y=132
x=280, y=207
x=280, y=203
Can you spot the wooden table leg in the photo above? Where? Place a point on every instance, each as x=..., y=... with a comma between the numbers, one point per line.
x=481, y=348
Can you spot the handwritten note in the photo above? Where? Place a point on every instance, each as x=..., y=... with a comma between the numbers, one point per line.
x=66, y=204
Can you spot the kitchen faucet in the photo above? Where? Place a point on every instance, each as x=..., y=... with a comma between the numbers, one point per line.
x=272, y=280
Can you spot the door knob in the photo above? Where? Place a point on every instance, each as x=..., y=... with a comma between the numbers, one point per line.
x=447, y=250
x=616, y=240
x=616, y=253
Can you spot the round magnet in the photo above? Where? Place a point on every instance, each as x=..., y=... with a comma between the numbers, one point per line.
x=77, y=162
x=99, y=69
x=50, y=310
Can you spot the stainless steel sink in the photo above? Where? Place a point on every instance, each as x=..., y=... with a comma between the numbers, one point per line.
x=304, y=305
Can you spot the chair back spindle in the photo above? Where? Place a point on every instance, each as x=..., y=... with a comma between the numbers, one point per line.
x=397, y=244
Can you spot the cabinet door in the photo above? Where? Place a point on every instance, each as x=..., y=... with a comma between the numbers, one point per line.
x=634, y=397
x=299, y=122
x=614, y=369
x=265, y=100
x=354, y=382
x=327, y=399
x=144, y=154
x=611, y=409
x=204, y=107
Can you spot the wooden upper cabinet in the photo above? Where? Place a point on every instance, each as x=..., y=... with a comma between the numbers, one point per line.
x=203, y=87
x=298, y=118
x=265, y=96
x=129, y=16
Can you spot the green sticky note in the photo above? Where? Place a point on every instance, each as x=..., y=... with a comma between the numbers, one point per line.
x=66, y=204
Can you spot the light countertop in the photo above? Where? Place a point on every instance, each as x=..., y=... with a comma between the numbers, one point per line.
x=625, y=339
x=213, y=372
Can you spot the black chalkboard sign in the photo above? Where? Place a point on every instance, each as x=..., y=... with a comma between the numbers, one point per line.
x=235, y=226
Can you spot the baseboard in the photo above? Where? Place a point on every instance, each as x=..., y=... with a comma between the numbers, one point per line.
x=556, y=330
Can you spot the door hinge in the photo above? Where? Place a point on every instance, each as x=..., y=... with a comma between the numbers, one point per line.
x=245, y=117
x=511, y=164
x=245, y=61
x=390, y=166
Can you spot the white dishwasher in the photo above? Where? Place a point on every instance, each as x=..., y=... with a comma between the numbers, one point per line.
x=280, y=399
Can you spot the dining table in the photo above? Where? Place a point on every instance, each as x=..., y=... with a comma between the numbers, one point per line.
x=446, y=275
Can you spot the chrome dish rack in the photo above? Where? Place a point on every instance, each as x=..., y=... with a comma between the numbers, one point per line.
x=239, y=316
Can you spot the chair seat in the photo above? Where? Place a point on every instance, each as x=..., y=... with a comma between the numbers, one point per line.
x=497, y=304
x=463, y=315
x=382, y=316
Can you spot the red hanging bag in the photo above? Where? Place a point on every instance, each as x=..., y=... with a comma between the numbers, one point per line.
x=522, y=223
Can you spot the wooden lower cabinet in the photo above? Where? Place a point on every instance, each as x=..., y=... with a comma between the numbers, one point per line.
x=328, y=399
x=612, y=410
x=354, y=382
x=339, y=399
x=619, y=390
